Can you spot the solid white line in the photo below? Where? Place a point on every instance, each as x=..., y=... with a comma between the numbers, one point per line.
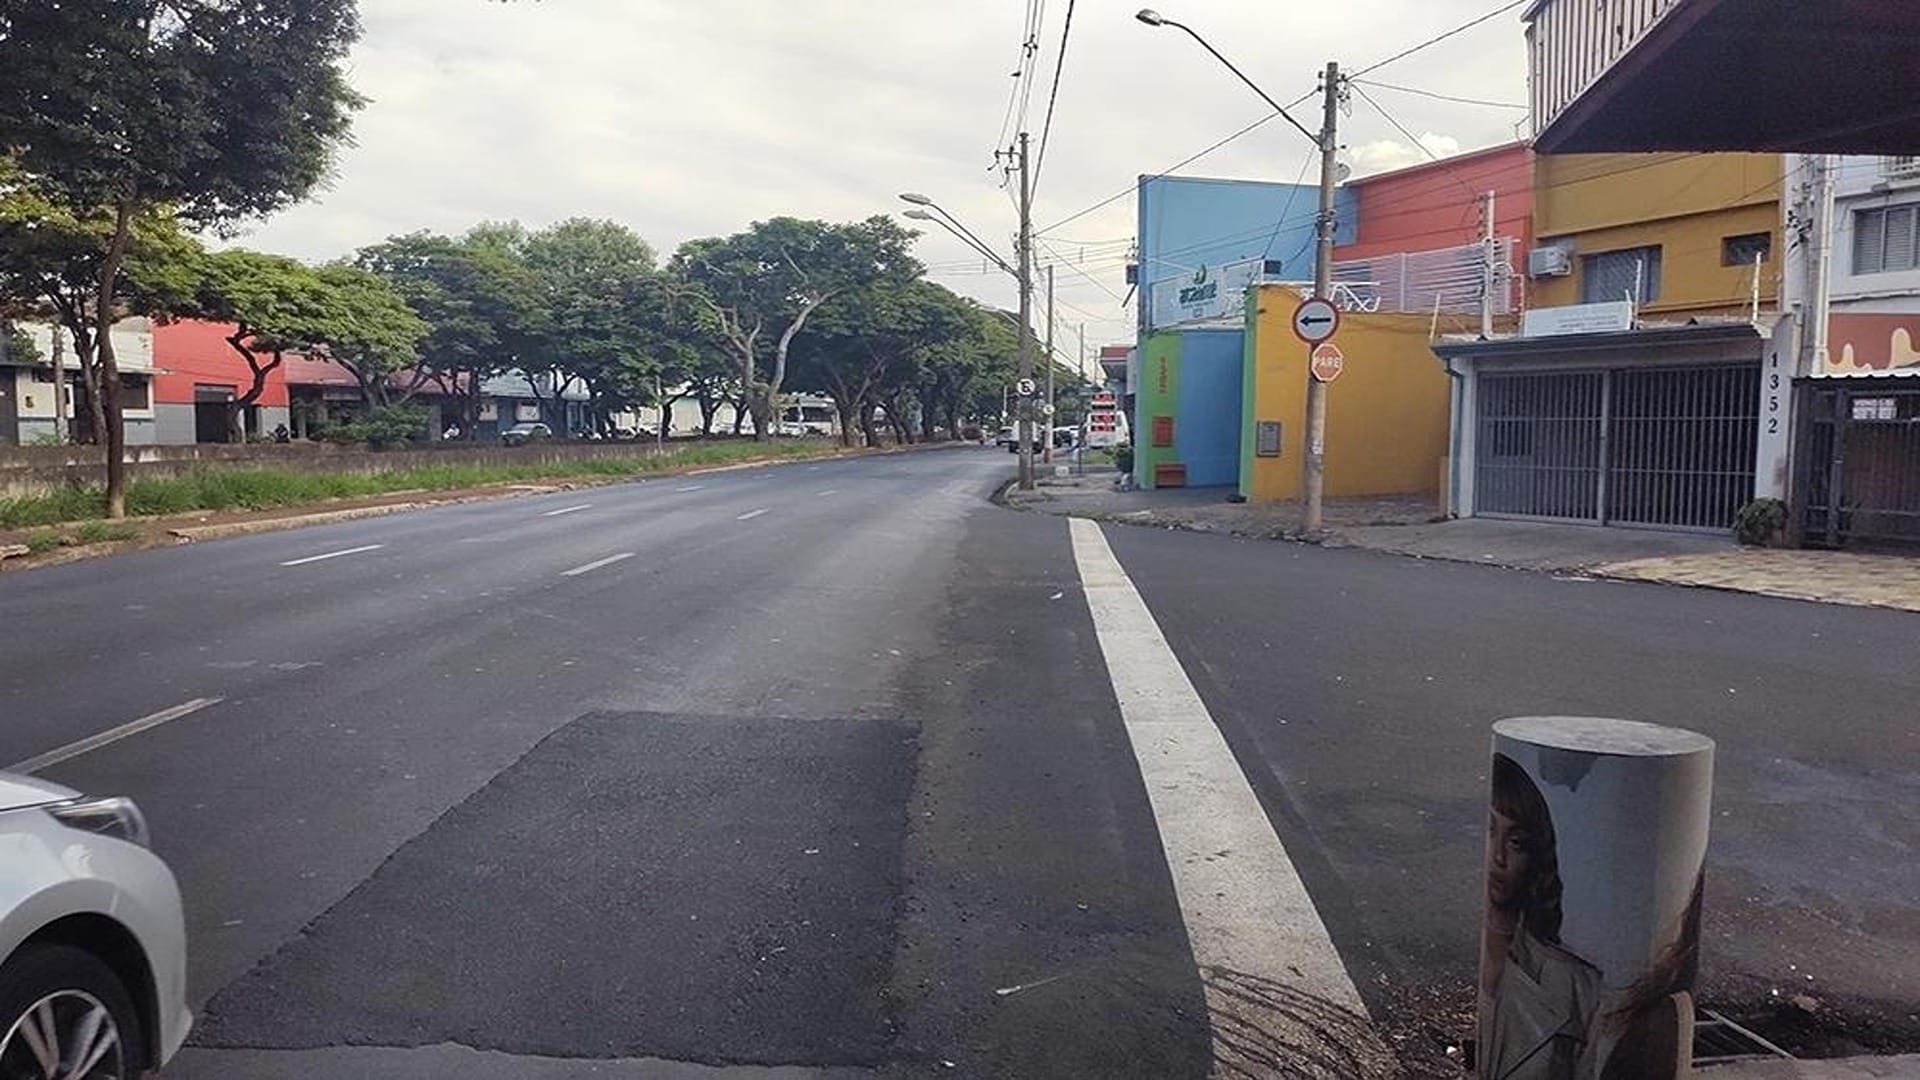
x=112, y=735
x=597, y=564
x=829, y=491
x=332, y=555
x=568, y=510
x=690, y=487
x=751, y=514
x=1244, y=904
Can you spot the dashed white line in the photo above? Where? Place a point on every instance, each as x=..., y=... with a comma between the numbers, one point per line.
x=1247, y=912
x=597, y=564
x=112, y=735
x=751, y=514
x=829, y=491
x=568, y=510
x=690, y=487
x=332, y=555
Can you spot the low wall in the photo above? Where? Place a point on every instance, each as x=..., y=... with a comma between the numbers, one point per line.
x=36, y=470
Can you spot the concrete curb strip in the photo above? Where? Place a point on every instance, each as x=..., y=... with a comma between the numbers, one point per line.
x=248, y=528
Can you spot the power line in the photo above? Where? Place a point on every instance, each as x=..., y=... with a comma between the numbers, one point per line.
x=1437, y=39
x=1439, y=96
x=1124, y=192
x=1053, y=95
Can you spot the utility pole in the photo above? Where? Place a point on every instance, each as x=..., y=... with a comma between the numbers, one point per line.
x=1313, y=482
x=1047, y=453
x=1024, y=427
x=1822, y=180
x=59, y=384
x=1487, y=279
x=1081, y=356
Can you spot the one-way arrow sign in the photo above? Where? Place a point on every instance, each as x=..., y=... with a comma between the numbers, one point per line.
x=1315, y=320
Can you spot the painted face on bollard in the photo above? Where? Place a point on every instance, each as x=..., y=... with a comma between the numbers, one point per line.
x=1508, y=860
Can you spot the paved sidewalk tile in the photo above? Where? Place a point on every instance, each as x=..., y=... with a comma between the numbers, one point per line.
x=1833, y=577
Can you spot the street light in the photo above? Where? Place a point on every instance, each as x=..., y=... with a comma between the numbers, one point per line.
x=1313, y=478
x=925, y=209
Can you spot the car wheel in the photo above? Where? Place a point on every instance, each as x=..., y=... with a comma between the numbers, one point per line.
x=66, y=1017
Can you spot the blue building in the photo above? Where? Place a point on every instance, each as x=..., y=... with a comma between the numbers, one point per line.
x=1202, y=243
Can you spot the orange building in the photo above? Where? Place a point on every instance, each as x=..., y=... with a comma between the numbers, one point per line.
x=1435, y=205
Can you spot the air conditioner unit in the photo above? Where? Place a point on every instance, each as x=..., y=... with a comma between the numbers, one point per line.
x=1549, y=262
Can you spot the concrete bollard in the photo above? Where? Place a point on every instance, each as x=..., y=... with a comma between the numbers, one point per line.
x=1596, y=846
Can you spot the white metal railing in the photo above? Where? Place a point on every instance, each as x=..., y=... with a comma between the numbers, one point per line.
x=1571, y=43
x=1900, y=168
x=1416, y=282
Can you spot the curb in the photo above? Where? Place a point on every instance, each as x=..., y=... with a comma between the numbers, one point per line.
x=191, y=533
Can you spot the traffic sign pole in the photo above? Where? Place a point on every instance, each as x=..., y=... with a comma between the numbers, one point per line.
x=1314, y=471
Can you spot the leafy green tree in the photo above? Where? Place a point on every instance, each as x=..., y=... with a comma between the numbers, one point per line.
x=864, y=349
x=481, y=304
x=606, y=322
x=370, y=331
x=216, y=109
x=762, y=285
x=50, y=259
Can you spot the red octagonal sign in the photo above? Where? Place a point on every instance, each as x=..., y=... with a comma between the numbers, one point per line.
x=1328, y=362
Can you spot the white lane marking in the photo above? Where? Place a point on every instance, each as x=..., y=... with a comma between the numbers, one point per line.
x=568, y=510
x=112, y=735
x=1244, y=904
x=751, y=514
x=829, y=491
x=597, y=564
x=690, y=487
x=332, y=555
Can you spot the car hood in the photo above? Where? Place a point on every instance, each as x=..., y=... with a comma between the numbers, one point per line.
x=18, y=792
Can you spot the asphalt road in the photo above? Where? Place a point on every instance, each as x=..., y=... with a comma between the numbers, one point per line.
x=817, y=770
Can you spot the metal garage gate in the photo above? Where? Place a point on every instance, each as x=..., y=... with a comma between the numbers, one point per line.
x=1857, y=459
x=1667, y=448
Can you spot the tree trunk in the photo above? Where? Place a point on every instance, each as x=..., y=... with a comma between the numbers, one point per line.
x=709, y=408
x=865, y=409
x=112, y=413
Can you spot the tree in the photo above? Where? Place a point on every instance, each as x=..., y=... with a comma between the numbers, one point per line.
x=369, y=330
x=480, y=303
x=865, y=348
x=762, y=285
x=50, y=258
x=606, y=321
x=216, y=109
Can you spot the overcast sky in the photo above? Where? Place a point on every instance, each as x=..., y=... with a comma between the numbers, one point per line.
x=688, y=118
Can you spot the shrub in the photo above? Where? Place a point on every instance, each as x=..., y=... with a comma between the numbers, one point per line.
x=1761, y=523
x=1123, y=457
x=382, y=429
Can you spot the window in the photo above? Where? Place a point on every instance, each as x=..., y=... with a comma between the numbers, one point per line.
x=1884, y=241
x=1611, y=276
x=135, y=393
x=1746, y=249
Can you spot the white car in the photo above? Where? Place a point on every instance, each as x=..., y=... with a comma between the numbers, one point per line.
x=94, y=981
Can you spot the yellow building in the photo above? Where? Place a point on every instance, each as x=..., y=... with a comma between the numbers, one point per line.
x=1648, y=385
x=1386, y=412
x=1680, y=234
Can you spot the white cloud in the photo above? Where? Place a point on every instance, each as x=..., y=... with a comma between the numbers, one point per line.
x=1382, y=155
x=687, y=119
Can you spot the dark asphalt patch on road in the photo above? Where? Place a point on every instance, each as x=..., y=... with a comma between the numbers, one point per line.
x=714, y=889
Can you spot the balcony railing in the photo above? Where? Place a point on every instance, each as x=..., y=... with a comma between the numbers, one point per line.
x=1906, y=169
x=1571, y=43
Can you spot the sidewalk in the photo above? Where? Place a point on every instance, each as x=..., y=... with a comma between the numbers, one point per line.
x=1411, y=525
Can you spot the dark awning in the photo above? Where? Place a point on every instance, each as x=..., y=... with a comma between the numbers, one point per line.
x=1829, y=76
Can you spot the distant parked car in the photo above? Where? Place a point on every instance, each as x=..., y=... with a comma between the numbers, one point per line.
x=1007, y=438
x=95, y=950
x=526, y=433
x=1065, y=436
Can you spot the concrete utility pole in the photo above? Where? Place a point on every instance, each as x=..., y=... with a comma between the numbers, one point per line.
x=1024, y=428
x=59, y=384
x=1047, y=452
x=1314, y=478
x=1823, y=180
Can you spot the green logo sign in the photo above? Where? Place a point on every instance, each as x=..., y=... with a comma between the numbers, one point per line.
x=1201, y=291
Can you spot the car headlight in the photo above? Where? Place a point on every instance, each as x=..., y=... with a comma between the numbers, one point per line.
x=117, y=817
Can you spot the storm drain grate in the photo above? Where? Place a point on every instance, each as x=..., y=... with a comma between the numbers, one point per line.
x=1718, y=1040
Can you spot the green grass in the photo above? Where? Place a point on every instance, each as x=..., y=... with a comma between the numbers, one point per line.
x=262, y=489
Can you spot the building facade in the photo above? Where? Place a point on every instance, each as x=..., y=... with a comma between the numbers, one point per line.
x=29, y=412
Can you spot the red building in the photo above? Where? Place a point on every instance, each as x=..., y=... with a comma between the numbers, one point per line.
x=1418, y=232
x=197, y=373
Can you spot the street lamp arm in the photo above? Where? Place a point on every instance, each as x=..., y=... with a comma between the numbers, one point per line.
x=967, y=234
x=968, y=239
x=1255, y=87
